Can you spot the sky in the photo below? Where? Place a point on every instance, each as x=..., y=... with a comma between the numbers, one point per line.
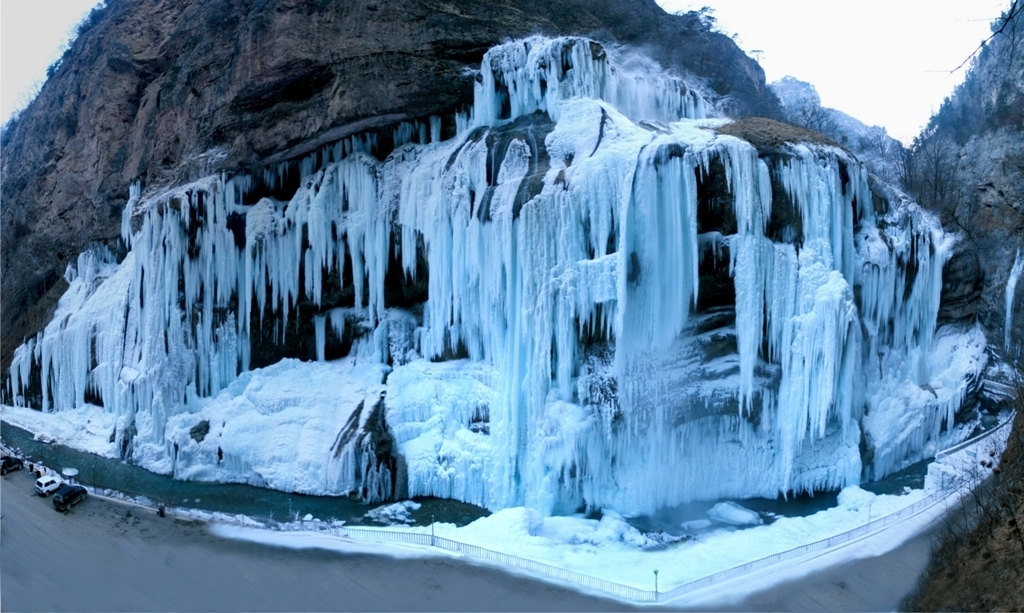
x=32, y=36
x=886, y=62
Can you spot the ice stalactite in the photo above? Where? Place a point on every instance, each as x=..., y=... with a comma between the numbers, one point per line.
x=1011, y=294
x=523, y=309
x=538, y=74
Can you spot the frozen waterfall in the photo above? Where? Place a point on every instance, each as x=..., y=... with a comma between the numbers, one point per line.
x=621, y=308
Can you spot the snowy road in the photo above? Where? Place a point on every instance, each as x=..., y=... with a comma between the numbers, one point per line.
x=108, y=556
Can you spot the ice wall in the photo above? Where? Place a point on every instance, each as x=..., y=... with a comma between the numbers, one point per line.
x=569, y=233
x=1011, y=294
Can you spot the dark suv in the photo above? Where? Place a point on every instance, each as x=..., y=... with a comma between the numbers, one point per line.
x=68, y=496
x=7, y=464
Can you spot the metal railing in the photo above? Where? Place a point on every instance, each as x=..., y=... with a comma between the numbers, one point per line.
x=420, y=538
x=971, y=441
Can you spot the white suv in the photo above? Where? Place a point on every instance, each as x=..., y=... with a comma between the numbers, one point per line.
x=47, y=484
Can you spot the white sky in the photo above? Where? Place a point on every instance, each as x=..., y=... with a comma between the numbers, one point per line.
x=32, y=34
x=886, y=62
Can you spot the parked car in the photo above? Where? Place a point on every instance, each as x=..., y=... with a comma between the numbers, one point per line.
x=47, y=484
x=67, y=496
x=7, y=464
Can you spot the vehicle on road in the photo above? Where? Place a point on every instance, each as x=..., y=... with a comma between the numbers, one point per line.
x=47, y=484
x=68, y=496
x=8, y=463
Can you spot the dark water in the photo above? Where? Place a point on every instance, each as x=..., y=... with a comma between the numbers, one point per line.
x=911, y=476
x=669, y=519
x=232, y=498
x=265, y=503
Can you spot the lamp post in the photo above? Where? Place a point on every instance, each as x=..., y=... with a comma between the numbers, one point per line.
x=655, y=585
x=432, y=530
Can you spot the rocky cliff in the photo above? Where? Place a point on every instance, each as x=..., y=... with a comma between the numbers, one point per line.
x=968, y=166
x=171, y=90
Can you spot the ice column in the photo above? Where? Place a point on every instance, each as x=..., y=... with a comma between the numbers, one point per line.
x=1011, y=292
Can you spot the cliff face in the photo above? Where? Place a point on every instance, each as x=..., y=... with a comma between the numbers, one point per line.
x=968, y=166
x=172, y=90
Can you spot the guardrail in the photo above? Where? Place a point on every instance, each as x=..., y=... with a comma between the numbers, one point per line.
x=796, y=552
x=971, y=441
x=641, y=595
x=420, y=538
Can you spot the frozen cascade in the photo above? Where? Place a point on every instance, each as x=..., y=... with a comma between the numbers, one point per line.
x=539, y=74
x=574, y=348
x=1011, y=293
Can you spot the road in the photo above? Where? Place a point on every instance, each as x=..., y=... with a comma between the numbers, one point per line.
x=107, y=556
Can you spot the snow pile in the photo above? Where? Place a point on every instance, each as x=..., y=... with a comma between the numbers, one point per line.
x=733, y=514
x=856, y=499
x=276, y=426
x=611, y=532
x=696, y=525
x=397, y=513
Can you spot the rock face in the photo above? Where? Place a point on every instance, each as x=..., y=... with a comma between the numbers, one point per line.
x=962, y=281
x=968, y=166
x=990, y=211
x=173, y=90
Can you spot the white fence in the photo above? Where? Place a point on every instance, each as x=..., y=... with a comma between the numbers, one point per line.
x=972, y=441
x=419, y=538
x=640, y=595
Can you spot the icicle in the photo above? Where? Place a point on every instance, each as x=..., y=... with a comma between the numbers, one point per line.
x=564, y=265
x=538, y=74
x=319, y=327
x=1011, y=293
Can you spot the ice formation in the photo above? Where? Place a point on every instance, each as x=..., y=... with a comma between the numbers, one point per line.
x=1011, y=293
x=623, y=309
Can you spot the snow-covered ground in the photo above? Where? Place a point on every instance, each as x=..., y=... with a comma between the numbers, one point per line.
x=613, y=550
x=87, y=428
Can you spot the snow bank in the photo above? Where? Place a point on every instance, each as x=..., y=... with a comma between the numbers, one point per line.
x=397, y=513
x=734, y=515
